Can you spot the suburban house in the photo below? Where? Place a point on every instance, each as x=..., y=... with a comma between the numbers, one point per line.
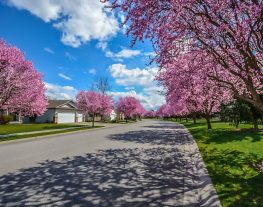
x=112, y=116
x=59, y=111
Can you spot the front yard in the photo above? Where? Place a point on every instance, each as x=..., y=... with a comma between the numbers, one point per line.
x=233, y=158
x=40, y=129
x=19, y=128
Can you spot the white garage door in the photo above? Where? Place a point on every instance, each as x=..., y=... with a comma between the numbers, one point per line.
x=66, y=117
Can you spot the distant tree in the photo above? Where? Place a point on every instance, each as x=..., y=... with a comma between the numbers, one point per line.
x=89, y=102
x=93, y=103
x=106, y=104
x=21, y=87
x=130, y=106
x=102, y=85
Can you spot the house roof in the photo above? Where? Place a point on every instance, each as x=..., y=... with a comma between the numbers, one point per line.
x=60, y=103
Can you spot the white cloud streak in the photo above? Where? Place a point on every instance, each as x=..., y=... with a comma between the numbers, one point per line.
x=92, y=71
x=48, y=50
x=124, y=53
x=62, y=75
x=70, y=57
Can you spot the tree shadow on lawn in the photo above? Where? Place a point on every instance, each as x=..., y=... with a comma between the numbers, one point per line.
x=236, y=181
x=224, y=135
x=120, y=177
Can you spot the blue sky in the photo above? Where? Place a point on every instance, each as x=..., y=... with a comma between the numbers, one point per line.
x=74, y=42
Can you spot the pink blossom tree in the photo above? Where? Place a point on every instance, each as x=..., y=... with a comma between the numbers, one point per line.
x=130, y=106
x=150, y=113
x=89, y=102
x=229, y=32
x=93, y=103
x=189, y=90
x=21, y=87
x=106, y=104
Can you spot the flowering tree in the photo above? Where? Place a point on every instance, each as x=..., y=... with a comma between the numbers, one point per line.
x=229, y=31
x=150, y=114
x=93, y=103
x=89, y=102
x=188, y=90
x=21, y=87
x=130, y=106
x=106, y=104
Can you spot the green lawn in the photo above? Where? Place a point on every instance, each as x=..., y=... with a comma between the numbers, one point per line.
x=230, y=155
x=17, y=128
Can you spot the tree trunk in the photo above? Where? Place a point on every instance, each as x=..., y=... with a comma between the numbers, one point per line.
x=93, y=120
x=255, y=123
x=126, y=118
x=186, y=119
x=208, y=121
x=194, y=118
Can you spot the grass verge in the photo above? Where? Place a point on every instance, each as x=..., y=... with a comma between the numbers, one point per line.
x=233, y=158
x=46, y=133
x=19, y=128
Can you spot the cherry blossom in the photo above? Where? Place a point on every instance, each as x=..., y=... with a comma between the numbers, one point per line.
x=21, y=87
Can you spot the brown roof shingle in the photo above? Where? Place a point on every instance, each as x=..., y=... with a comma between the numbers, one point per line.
x=56, y=103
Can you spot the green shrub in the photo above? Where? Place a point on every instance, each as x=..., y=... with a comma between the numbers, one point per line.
x=5, y=119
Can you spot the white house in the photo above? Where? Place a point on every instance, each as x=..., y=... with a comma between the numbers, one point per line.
x=60, y=111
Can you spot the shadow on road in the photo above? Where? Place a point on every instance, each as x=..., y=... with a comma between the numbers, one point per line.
x=157, y=137
x=157, y=176
x=122, y=177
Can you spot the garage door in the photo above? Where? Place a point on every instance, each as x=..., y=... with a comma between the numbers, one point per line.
x=66, y=117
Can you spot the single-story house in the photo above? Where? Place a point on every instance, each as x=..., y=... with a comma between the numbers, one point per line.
x=112, y=116
x=60, y=111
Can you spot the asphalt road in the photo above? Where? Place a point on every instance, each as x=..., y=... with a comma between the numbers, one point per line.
x=150, y=163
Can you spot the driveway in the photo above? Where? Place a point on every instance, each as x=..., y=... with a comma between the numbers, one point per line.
x=150, y=163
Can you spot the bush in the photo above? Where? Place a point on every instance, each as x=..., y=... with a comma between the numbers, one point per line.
x=4, y=119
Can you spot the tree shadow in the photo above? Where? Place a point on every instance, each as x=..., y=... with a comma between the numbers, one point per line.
x=120, y=177
x=225, y=135
x=156, y=137
x=238, y=183
x=165, y=127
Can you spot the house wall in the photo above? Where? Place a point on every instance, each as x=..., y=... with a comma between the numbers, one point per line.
x=47, y=117
x=51, y=115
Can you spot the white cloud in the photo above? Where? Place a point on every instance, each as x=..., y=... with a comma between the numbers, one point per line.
x=129, y=88
x=79, y=21
x=150, y=54
x=148, y=100
x=49, y=50
x=64, y=76
x=150, y=94
x=124, y=53
x=92, y=71
x=56, y=92
x=131, y=77
x=70, y=57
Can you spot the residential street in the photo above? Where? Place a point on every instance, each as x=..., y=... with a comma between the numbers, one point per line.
x=149, y=163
